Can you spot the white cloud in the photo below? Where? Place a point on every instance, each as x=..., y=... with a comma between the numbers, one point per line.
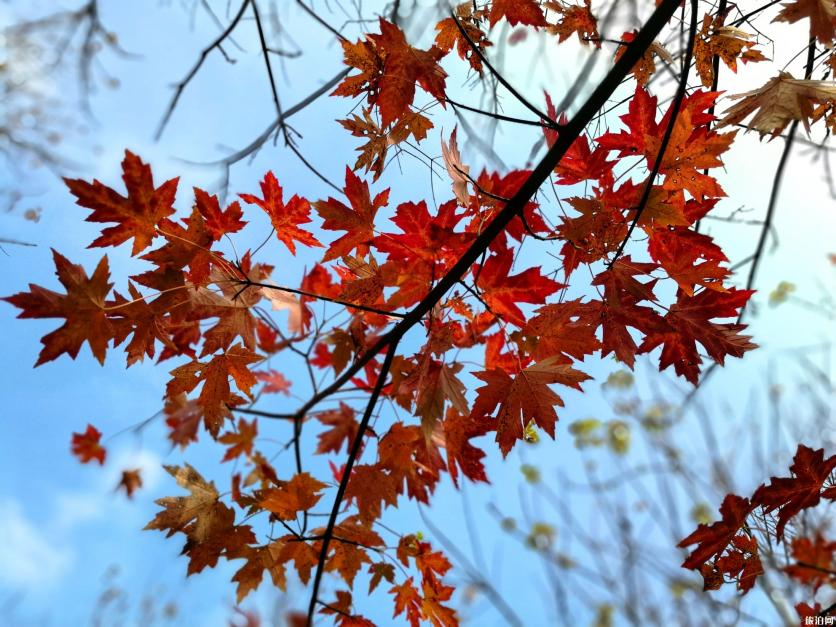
x=35, y=557
x=30, y=559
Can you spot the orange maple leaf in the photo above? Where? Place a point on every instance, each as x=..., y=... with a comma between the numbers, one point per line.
x=240, y=442
x=83, y=307
x=215, y=395
x=86, y=446
x=297, y=495
x=526, y=12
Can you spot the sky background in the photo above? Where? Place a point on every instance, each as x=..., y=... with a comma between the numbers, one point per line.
x=63, y=527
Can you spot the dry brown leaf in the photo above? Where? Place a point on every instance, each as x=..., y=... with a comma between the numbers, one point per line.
x=779, y=102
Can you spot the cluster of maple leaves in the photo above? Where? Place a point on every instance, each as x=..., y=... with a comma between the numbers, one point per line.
x=727, y=550
x=196, y=303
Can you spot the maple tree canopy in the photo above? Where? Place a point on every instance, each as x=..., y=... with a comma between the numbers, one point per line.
x=629, y=273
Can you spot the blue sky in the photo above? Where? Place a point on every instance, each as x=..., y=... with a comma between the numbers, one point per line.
x=63, y=526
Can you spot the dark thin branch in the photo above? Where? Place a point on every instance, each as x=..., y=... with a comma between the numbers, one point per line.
x=356, y=446
x=744, y=18
x=776, y=189
x=547, y=120
x=674, y=111
x=336, y=301
x=569, y=132
x=265, y=52
x=496, y=116
x=263, y=414
x=181, y=86
x=715, y=78
x=322, y=22
x=254, y=145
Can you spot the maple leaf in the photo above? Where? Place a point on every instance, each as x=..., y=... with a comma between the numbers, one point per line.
x=450, y=35
x=348, y=554
x=821, y=13
x=297, y=495
x=215, y=395
x=285, y=217
x=178, y=512
x=526, y=12
x=146, y=321
x=274, y=382
x=434, y=384
x=781, y=100
x=389, y=70
x=692, y=148
x=563, y=330
x=380, y=571
x=371, y=489
x=589, y=237
x=686, y=263
x=137, y=215
x=249, y=576
x=184, y=247
x=402, y=68
x=620, y=309
x=282, y=300
x=378, y=141
x=523, y=398
x=459, y=429
x=502, y=291
x=130, y=482
x=574, y=19
x=358, y=220
x=411, y=460
x=726, y=42
x=83, y=307
x=689, y=321
x=712, y=540
x=790, y=495
x=182, y=416
x=341, y=610
x=425, y=238
x=581, y=163
x=218, y=222
x=240, y=442
x=407, y=599
x=646, y=66
x=208, y=524
x=457, y=171
x=814, y=561
x=86, y=446
x=343, y=428
x=664, y=206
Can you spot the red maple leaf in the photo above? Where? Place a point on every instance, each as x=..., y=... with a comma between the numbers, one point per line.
x=790, y=495
x=343, y=428
x=357, y=220
x=503, y=291
x=86, y=446
x=517, y=12
x=522, y=398
x=689, y=321
x=219, y=222
x=389, y=70
x=137, y=215
x=814, y=561
x=286, y=218
x=712, y=540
